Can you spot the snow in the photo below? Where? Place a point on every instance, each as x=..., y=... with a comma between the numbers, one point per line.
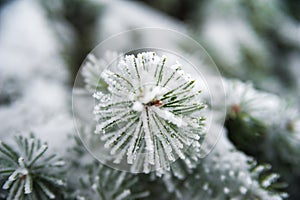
x=138, y=106
x=30, y=64
x=113, y=21
x=226, y=38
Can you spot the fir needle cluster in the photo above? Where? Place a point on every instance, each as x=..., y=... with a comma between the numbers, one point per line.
x=150, y=113
x=29, y=173
x=228, y=176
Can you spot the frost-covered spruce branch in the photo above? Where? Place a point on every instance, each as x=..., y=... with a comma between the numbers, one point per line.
x=93, y=68
x=150, y=112
x=285, y=136
x=28, y=173
x=226, y=174
x=97, y=181
x=104, y=183
x=250, y=113
x=266, y=121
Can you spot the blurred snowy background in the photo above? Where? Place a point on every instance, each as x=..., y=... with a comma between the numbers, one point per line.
x=43, y=43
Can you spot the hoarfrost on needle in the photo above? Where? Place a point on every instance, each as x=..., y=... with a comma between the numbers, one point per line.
x=149, y=112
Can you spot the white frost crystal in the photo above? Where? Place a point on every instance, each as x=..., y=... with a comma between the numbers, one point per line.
x=150, y=112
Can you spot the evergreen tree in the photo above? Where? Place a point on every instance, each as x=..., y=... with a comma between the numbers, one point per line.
x=151, y=116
